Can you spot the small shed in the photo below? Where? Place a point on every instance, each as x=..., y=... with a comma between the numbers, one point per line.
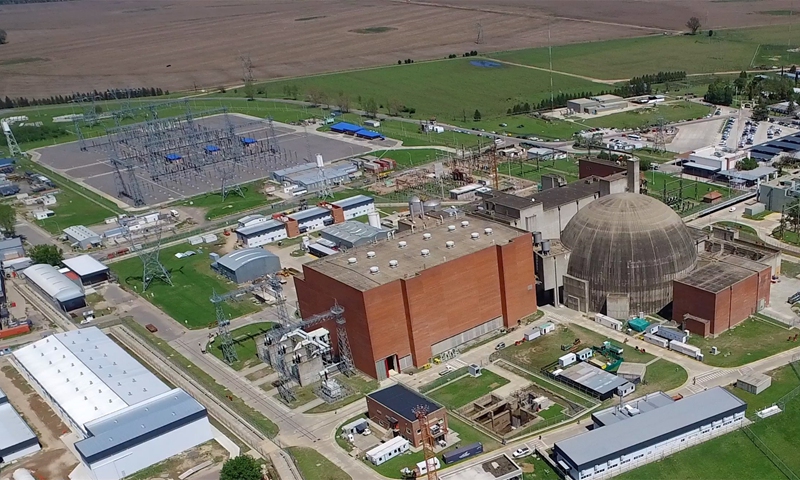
x=566, y=360
x=712, y=197
x=210, y=238
x=547, y=328
x=82, y=237
x=356, y=426
x=584, y=354
x=639, y=324
x=43, y=214
x=754, y=383
x=475, y=370
x=632, y=372
x=196, y=240
x=535, y=333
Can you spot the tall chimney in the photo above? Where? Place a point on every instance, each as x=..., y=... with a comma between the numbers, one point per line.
x=633, y=175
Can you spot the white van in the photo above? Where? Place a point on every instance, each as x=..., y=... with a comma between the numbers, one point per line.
x=300, y=192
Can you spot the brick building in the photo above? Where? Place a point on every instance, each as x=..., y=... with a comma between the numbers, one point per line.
x=393, y=409
x=597, y=167
x=427, y=291
x=720, y=295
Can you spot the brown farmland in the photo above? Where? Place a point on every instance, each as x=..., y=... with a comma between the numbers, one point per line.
x=59, y=48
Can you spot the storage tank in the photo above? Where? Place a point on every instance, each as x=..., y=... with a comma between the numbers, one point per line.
x=415, y=206
x=537, y=238
x=431, y=205
x=374, y=219
x=23, y=474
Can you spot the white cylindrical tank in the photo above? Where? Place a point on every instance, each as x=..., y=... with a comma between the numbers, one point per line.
x=320, y=162
x=415, y=206
x=374, y=219
x=23, y=474
x=431, y=205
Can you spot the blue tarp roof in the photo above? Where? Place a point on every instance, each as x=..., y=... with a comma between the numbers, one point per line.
x=172, y=157
x=212, y=148
x=368, y=134
x=248, y=140
x=344, y=127
x=4, y=162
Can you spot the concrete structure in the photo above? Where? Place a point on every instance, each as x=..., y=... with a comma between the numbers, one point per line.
x=87, y=268
x=400, y=304
x=241, y=266
x=720, y=295
x=82, y=237
x=501, y=467
x=466, y=192
x=11, y=248
x=708, y=161
x=626, y=245
x=305, y=353
x=596, y=382
x=541, y=153
x=749, y=178
x=261, y=233
x=581, y=105
x=550, y=258
x=356, y=206
x=56, y=287
x=634, y=436
x=598, y=167
x=16, y=437
x=597, y=104
x=779, y=193
x=127, y=418
x=754, y=383
x=353, y=234
x=392, y=409
x=632, y=372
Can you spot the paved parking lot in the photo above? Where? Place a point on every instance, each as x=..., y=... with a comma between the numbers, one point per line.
x=94, y=168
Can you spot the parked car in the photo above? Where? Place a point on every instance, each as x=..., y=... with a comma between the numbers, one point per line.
x=500, y=346
x=522, y=452
x=151, y=328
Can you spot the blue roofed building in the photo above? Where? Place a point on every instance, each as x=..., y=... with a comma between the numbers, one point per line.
x=126, y=417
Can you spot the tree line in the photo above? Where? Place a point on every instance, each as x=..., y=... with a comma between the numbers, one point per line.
x=110, y=94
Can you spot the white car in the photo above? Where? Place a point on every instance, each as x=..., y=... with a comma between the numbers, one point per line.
x=522, y=452
x=732, y=209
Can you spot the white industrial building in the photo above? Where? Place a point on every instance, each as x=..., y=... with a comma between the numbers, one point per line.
x=628, y=436
x=87, y=268
x=356, y=206
x=388, y=450
x=261, y=233
x=128, y=419
x=55, y=286
x=82, y=237
x=312, y=219
x=711, y=160
x=251, y=220
x=16, y=437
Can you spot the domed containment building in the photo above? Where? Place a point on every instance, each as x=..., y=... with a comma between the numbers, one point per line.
x=626, y=249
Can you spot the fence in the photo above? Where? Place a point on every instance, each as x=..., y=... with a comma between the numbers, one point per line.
x=770, y=454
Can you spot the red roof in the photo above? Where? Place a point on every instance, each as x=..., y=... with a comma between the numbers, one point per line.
x=72, y=275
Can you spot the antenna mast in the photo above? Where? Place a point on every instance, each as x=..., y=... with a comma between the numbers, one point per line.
x=421, y=412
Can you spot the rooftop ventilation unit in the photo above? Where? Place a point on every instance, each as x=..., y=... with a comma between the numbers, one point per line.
x=475, y=235
x=374, y=270
x=370, y=254
x=426, y=236
x=488, y=231
x=450, y=244
x=450, y=228
x=425, y=252
x=393, y=263
x=402, y=244
x=465, y=224
x=352, y=260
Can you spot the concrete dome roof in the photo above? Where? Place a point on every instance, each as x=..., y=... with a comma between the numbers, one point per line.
x=628, y=244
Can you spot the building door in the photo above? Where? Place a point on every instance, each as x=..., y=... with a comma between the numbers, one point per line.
x=391, y=365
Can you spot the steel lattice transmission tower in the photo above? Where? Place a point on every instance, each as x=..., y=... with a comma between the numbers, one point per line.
x=421, y=412
x=660, y=142
x=280, y=300
x=346, y=365
x=13, y=146
x=223, y=332
x=152, y=268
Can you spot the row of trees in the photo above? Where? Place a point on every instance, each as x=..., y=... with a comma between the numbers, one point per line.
x=110, y=94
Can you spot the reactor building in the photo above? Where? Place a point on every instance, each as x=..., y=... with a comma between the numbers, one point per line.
x=431, y=289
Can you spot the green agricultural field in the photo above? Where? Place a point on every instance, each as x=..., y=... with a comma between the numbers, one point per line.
x=188, y=300
x=244, y=339
x=749, y=341
x=412, y=157
x=233, y=203
x=645, y=117
x=428, y=88
x=727, y=50
x=459, y=393
x=526, y=126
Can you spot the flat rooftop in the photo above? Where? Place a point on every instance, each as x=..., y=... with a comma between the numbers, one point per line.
x=402, y=400
x=650, y=428
x=628, y=410
x=501, y=466
x=593, y=378
x=557, y=196
x=715, y=277
x=410, y=260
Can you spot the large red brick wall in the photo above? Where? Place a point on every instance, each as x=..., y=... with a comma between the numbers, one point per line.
x=408, y=430
x=744, y=300
x=407, y=316
x=587, y=168
x=688, y=299
x=724, y=309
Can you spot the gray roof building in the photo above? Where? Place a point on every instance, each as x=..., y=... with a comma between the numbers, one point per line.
x=11, y=248
x=260, y=228
x=82, y=237
x=353, y=201
x=248, y=264
x=603, y=383
x=16, y=437
x=648, y=428
x=56, y=286
x=352, y=234
x=86, y=267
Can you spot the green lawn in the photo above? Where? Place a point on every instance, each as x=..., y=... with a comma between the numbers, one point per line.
x=749, y=341
x=314, y=466
x=784, y=380
x=644, y=117
x=412, y=157
x=654, y=155
x=677, y=186
x=790, y=269
x=188, y=300
x=780, y=434
x=492, y=91
x=73, y=209
x=727, y=50
x=302, y=395
x=244, y=339
x=457, y=394
x=662, y=375
x=233, y=203
x=527, y=126
x=540, y=468
x=457, y=373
